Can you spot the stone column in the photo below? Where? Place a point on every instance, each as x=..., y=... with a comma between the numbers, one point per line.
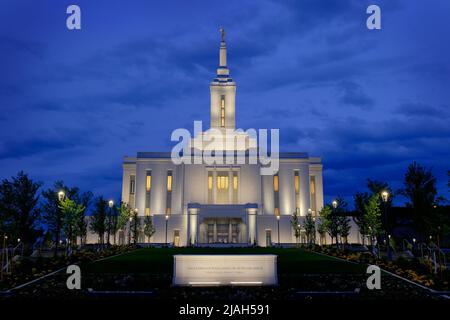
x=215, y=231
x=230, y=187
x=251, y=212
x=230, y=229
x=214, y=190
x=193, y=226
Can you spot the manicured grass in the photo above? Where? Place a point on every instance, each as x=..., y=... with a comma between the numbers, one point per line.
x=160, y=260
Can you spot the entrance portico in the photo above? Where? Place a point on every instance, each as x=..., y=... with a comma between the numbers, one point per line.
x=221, y=224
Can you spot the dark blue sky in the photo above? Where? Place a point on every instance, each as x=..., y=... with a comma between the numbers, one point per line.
x=73, y=103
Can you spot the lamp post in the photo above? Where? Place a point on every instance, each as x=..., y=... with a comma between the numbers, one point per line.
x=385, y=197
x=61, y=195
x=278, y=223
x=110, y=204
x=167, y=221
x=129, y=230
x=135, y=233
x=334, y=204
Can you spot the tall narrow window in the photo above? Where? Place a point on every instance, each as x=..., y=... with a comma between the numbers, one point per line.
x=210, y=187
x=169, y=192
x=235, y=187
x=276, y=193
x=222, y=111
x=148, y=188
x=312, y=192
x=297, y=190
x=132, y=184
x=222, y=192
x=132, y=190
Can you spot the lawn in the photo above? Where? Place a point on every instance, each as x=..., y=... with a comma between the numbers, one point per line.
x=150, y=270
x=160, y=260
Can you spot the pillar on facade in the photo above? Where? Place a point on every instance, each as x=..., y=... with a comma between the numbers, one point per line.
x=193, y=209
x=251, y=220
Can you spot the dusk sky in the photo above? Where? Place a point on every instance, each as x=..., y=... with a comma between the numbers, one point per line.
x=73, y=103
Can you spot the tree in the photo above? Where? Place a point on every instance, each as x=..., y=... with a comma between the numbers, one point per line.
x=71, y=212
x=53, y=216
x=125, y=213
x=98, y=223
x=330, y=222
x=344, y=228
x=310, y=228
x=85, y=200
x=114, y=222
x=135, y=222
x=360, y=200
x=322, y=230
x=372, y=217
x=149, y=229
x=19, y=207
x=295, y=225
x=420, y=190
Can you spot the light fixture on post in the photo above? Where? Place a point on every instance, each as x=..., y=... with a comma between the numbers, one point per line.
x=110, y=205
x=167, y=221
x=385, y=198
x=61, y=195
x=278, y=223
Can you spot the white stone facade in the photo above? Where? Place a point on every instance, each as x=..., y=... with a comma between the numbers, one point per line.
x=226, y=204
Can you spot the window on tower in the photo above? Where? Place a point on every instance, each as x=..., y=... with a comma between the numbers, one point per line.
x=222, y=111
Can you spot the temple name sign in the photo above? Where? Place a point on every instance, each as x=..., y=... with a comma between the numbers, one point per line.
x=224, y=270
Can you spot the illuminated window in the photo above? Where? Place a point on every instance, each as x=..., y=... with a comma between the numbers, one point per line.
x=148, y=187
x=222, y=111
x=148, y=182
x=312, y=192
x=297, y=190
x=169, y=192
x=276, y=194
x=210, y=182
x=169, y=181
x=275, y=183
x=235, y=187
x=222, y=182
x=210, y=187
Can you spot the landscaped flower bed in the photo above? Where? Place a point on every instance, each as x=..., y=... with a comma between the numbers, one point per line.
x=416, y=270
x=26, y=269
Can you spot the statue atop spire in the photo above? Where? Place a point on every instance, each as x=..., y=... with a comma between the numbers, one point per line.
x=222, y=34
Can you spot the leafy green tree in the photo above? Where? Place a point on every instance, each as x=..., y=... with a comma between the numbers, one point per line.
x=360, y=200
x=114, y=222
x=372, y=217
x=322, y=230
x=295, y=225
x=98, y=222
x=71, y=212
x=125, y=213
x=420, y=190
x=344, y=228
x=149, y=228
x=135, y=224
x=330, y=222
x=310, y=228
x=19, y=199
x=85, y=200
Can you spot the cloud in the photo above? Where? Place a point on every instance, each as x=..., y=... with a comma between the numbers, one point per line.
x=353, y=95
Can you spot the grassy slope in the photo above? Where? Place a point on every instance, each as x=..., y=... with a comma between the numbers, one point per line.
x=159, y=260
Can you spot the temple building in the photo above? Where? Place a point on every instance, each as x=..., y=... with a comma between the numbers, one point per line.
x=224, y=204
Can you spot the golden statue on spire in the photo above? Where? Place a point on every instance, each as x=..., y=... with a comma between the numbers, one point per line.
x=222, y=33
